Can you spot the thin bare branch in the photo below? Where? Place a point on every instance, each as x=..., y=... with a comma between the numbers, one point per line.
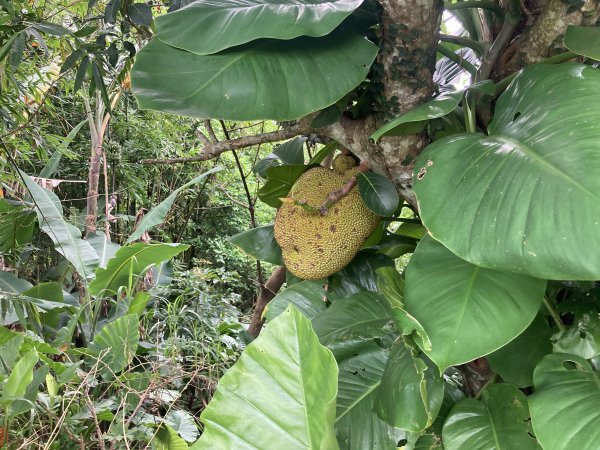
x=336, y=196
x=211, y=132
x=213, y=150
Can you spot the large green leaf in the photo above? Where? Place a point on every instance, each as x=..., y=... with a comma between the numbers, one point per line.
x=105, y=249
x=11, y=284
x=500, y=422
x=466, y=310
x=66, y=237
x=357, y=426
x=584, y=41
x=411, y=392
x=268, y=79
x=157, y=214
x=259, y=243
x=280, y=394
x=492, y=199
x=19, y=379
x=360, y=275
x=131, y=261
x=516, y=361
x=581, y=339
x=166, y=438
x=114, y=347
x=205, y=27
x=362, y=316
x=16, y=226
x=564, y=407
x=280, y=180
x=307, y=296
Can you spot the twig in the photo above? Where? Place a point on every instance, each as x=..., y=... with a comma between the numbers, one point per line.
x=212, y=150
x=554, y=315
x=211, y=132
x=98, y=430
x=200, y=135
x=336, y=196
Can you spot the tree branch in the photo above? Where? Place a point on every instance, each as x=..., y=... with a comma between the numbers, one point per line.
x=214, y=149
x=336, y=196
x=268, y=292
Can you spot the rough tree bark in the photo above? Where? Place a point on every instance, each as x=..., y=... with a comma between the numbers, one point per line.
x=98, y=123
x=543, y=25
x=267, y=292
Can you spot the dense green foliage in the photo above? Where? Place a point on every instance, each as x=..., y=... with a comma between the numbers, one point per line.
x=470, y=318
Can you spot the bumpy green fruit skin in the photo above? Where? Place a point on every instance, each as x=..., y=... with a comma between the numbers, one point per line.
x=313, y=245
x=343, y=163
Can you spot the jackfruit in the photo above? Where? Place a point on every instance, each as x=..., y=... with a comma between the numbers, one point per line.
x=314, y=245
x=343, y=163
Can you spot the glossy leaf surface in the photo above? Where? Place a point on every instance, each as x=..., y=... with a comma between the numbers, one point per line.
x=280, y=180
x=131, y=260
x=499, y=422
x=411, y=392
x=564, y=407
x=516, y=361
x=66, y=237
x=290, y=403
x=466, y=310
x=267, y=79
x=306, y=296
x=492, y=199
x=205, y=27
x=378, y=193
x=584, y=41
x=259, y=243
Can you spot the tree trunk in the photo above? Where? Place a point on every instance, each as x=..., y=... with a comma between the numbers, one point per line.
x=267, y=292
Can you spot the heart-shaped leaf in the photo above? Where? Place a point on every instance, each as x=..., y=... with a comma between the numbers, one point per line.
x=492, y=199
x=266, y=79
x=203, y=27
x=291, y=401
x=564, y=407
x=466, y=310
x=499, y=422
x=115, y=345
